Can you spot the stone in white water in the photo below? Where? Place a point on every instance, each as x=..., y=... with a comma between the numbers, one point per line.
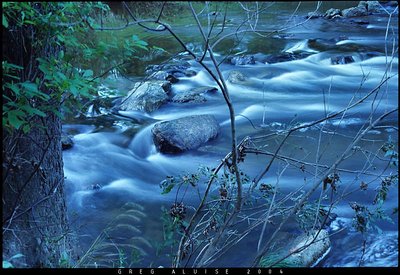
x=316, y=247
x=305, y=251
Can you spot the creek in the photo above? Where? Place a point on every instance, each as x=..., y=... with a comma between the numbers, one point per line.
x=114, y=160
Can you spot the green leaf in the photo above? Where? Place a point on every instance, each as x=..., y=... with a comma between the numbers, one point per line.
x=44, y=69
x=73, y=90
x=30, y=87
x=5, y=24
x=7, y=264
x=58, y=113
x=88, y=73
x=141, y=42
x=33, y=111
x=14, y=119
x=15, y=89
x=26, y=128
x=168, y=189
x=158, y=48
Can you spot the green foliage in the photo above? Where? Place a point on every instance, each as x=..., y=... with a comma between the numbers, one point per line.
x=61, y=74
x=366, y=220
x=187, y=179
x=383, y=188
x=389, y=149
x=172, y=231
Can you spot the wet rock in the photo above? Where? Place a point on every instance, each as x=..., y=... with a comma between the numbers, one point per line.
x=184, y=133
x=66, y=142
x=354, y=12
x=236, y=77
x=371, y=6
x=333, y=13
x=194, y=95
x=164, y=76
x=181, y=73
x=343, y=59
x=171, y=71
x=311, y=249
x=321, y=44
x=180, y=65
x=96, y=187
x=283, y=57
x=243, y=60
x=313, y=253
x=146, y=97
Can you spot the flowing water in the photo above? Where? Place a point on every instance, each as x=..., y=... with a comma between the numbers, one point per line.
x=114, y=160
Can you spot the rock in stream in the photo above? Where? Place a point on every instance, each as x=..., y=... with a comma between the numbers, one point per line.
x=185, y=133
x=146, y=97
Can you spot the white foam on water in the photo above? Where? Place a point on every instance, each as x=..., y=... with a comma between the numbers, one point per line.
x=142, y=144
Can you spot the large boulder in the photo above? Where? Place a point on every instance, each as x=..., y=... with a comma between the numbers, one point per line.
x=194, y=95
x=147, y=96
x=311, y=249
x=355, y=12
x=185, y=133
x=312, y=253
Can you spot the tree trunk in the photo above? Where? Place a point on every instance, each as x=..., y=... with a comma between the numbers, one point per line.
x=34, y=210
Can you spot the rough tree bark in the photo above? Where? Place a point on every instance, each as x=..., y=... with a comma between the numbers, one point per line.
x=34, y=210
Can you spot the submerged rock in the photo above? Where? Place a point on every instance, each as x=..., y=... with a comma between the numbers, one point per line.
x=283, y=57
x=194, y=95
x=243, y=60
x=146, y=97
x=343, y=59
x=321, y=44
x=185, y=133
x=236, y=77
